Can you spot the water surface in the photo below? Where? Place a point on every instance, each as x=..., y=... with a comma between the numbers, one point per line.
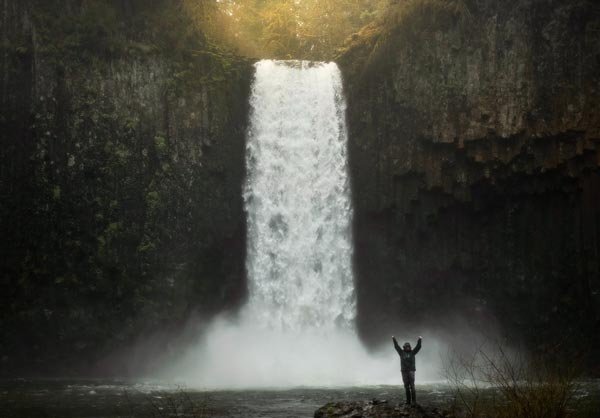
x=103, y=399
x=115, y=398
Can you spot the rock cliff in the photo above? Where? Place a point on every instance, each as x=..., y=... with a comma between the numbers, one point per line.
x=122, y=155
x=475, y=158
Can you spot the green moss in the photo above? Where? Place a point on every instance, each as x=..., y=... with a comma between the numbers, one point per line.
x=160, y=144
x=56, y=192
x=152, y=200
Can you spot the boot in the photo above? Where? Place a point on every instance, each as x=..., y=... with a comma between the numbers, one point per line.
x=414, y=396
x=408, y=395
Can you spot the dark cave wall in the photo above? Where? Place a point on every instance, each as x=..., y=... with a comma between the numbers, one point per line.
x=475, y=160
x=122, y=161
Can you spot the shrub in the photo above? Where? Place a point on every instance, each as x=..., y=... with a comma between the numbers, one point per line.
x=499, y=383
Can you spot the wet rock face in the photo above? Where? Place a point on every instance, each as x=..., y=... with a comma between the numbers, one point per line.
x=475, y=154
x=123, y=149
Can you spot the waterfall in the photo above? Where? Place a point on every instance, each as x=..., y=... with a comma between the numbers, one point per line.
x=297, y=198
x=297, y=328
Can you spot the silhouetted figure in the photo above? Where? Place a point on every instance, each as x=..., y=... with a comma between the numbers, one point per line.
x=407, y=366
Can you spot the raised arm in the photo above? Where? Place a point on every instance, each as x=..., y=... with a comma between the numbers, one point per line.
x=418, y=346
x=396, y=346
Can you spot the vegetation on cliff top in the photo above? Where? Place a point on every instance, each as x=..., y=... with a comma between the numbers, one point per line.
x=284, y=29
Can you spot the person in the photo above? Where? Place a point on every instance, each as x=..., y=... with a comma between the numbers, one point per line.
x=407, y=367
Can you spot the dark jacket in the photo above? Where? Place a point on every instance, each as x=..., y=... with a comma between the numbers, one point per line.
x=407, y=358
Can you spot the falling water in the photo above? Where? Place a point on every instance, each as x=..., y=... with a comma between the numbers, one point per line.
x=297, y=328
x=298, y=199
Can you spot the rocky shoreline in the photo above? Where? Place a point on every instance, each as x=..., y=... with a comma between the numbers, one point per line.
x=378, y=409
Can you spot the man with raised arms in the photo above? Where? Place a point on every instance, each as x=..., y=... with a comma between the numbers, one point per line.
x=407, y=366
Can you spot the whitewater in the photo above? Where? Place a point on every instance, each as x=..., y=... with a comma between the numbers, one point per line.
x=298, y=325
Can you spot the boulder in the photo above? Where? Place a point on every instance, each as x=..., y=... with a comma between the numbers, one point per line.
x=377, y=409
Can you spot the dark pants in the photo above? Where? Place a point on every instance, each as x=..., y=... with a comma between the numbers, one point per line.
x=408, y=378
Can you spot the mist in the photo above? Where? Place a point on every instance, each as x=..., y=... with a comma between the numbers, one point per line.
x=235, y=354
x=298, y=327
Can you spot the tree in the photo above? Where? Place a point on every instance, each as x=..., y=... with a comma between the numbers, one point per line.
x=284, y=29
